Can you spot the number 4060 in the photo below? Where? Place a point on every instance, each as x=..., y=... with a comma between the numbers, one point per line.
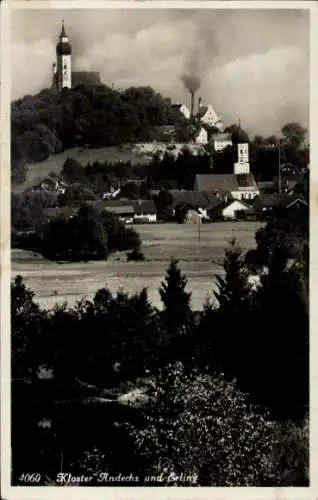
x=30, y=477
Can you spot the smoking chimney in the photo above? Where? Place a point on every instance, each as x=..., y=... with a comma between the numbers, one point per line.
x=192, y=84
x=199, y=104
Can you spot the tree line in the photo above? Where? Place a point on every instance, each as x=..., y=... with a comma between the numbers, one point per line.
x=227, y=388
x=86, y=235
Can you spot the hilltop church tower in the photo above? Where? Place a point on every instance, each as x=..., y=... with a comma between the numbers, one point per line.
x=62, y=69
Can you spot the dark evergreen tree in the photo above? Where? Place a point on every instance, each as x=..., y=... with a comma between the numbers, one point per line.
x=278, y=368
x=233, y=288
x=26, y=322
x=176, y=317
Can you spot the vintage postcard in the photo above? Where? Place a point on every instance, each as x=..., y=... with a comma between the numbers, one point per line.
x=156, y=253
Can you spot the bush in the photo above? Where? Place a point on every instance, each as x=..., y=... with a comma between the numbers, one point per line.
x=135, y=254
x=201, y=426
x=82, y=237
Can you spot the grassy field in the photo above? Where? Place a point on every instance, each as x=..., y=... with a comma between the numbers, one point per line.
x=201, y=261
x=38, y=171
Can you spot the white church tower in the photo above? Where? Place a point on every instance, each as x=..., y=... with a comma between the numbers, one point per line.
x=62, y=69
x=242, y=166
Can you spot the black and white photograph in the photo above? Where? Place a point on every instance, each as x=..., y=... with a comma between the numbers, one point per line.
x=159, y=286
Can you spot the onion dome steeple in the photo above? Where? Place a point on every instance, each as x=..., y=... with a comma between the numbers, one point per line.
x=63, y=47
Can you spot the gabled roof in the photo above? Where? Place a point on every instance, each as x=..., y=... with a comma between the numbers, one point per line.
x=278, y=200
x=222, y=137
x=145, y=207
x=241, y=202
x=216, y=182
x=120, y=210
x=196, y=199
x=100, y=205
x=215, y=200
x=246, y=180
x=203, y=109
x=224, y=182
x=193, y=198
x=225, y=203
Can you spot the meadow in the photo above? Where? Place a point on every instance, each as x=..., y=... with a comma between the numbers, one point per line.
x=199, y=258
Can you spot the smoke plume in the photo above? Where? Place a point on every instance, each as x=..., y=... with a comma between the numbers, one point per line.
x=191, y=78
x=191, y=82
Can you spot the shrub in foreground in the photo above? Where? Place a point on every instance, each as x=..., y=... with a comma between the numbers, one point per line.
x=201, y=427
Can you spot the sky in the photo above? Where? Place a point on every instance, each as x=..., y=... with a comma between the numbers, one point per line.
x=253, y=64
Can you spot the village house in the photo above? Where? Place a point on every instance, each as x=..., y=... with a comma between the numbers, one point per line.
x=197, y=204
x=234, y=208
x=208, y=116
x=122, y=208
x=125, y=213
x=278, y=203
x=202, y=136
x=145, y=211
x=183, y=109
x=221, y=141
x=240, y=187
x=226, y=208
x=192, y=199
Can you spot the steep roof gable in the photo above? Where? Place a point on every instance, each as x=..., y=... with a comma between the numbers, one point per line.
x=278, y=200
x=224, y=182
x=145, y=207
x=216, y=182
